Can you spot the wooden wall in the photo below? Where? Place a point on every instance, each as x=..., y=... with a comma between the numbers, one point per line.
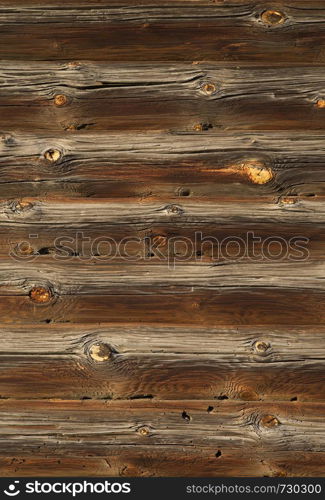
x=156, y=120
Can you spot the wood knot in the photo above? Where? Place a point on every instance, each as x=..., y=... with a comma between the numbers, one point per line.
x=60, y=100
x=320, y=103
x=159, y=240
x=143, y=431
x=174, y=209
x=52, y=155
x=257, y=172
x=202, y=127
x=24, y=248
x=8, y=139
x=269, y=421
x=272, y=17
x=100, y=352
x=40, y=295
x=208, y=88
x=21, y=206
x=261, y=347
x=74, y=65
x=289, y=200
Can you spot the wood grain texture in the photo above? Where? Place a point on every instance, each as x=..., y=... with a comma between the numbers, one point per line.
x=137, y=139
x=167, y=32
x=224, y=306
x=155, y=361
x=230, y=428
x=168, y=242
x=158, y=97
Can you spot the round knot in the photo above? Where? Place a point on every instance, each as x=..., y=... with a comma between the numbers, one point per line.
x=208, y=88
x=52, y=155
x=261, y=347
x=40, y=295
x=272, y=17
x=60, y=100
x=100, y=352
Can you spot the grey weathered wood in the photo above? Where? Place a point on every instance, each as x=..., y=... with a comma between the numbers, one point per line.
x=95, y=426
x=155, y=361
x=158, y=97
x=78, y=277
x=223, y=344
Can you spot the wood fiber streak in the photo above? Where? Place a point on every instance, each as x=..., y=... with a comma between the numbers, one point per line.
x=180, y=169
x=91, y=278
x=153, y=243
x=142, y=142
x=220, y=306
x=165, y=362
x=159, y=97
x=63, y=428
x=167, y=32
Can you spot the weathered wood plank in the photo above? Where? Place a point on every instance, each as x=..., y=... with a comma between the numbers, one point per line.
x=167, y=242
x=152, y=361
x=137, y=461
x=221, y=306
x=269, y=172
x=269, y=427
x=56, y=97
x=159, y=33
x=91, y=278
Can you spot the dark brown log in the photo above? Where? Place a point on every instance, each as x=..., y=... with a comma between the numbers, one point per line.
x=220, y=306
x=190, y=31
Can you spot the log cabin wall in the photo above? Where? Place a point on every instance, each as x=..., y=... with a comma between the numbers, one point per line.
x=136, y=135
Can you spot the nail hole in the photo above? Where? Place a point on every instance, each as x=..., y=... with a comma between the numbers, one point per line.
x=294, y=398
x=186, y=417
x=184, y=192
x=218, y=454
x=222, y=397
x=210, y=409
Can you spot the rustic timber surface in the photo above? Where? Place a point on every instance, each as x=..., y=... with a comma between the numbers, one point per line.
x=162, y=267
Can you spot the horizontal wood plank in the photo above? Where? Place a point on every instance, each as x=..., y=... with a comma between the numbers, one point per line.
x=275, y=176
x=156, y=97
x=264, y=427
x=221, y=306
x=153, y=361
x=167, y=242
x=159, y=33
x=91, y=278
